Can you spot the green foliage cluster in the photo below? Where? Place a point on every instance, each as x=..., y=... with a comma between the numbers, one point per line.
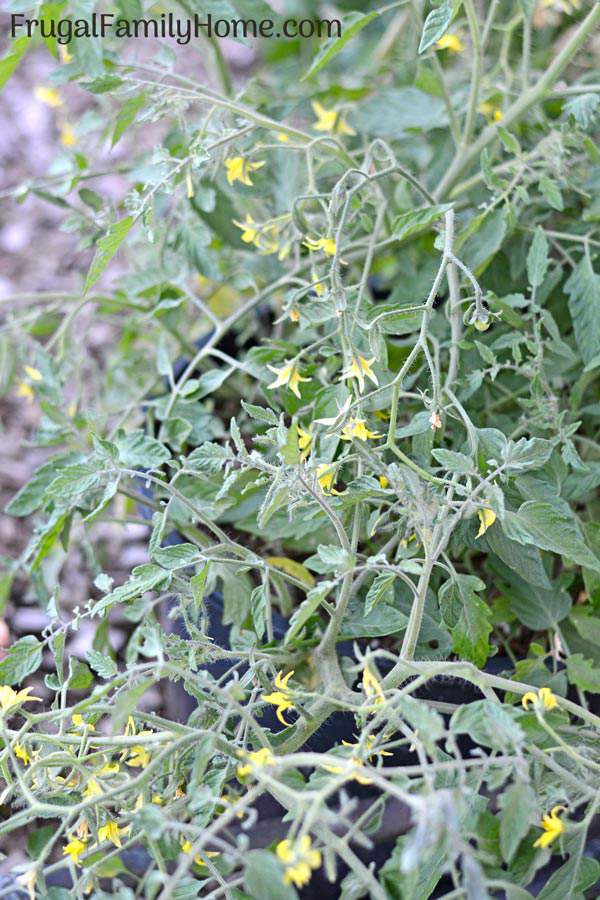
x=403, y=465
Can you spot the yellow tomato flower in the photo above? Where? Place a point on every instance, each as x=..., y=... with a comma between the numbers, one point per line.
x=239, y=169
x=26, y=391
x=79, y=722
x=68, y=138
x=356, y=428
x=490, y=111
x=294, y=315
x=74, y=849
x=287, y=374
x=486, y=517
x=544, y=699
x=187, y=846
x=9, y=698
x=326, y=244
x=48, y=95
x=157, y=800
x=450, y=42
x=282, y=137
x=384, y=482
x=249, y=233
x=372, y=687
x=330, y=120
x=92, y=789
x=109, y=769
x=370, y=744
x=252, y=233
x=280, y=698
x=326, y=478
x=553, y=827
x=22, y=754
x=258, y=759
x=304, y=441
x=139, y=757
x=358, y=368
x=111, y=832
x=299, y=860
x=351, y=769
x=34, y=374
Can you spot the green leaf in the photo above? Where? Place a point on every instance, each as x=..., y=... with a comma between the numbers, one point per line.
x=426, y=721
x=101, y=663
x=467, y=616
x=261, y=414
x=138, y=449
x=453, y=461
x=393, y=112
x=524, y=559
x=80, y=678
x=198, y=584
x=525, y=454
x=550, y=527
x=514, y=892
x=106, y=248
x=418, y=220
x=208, y=458
x=435, y=25
x=177, y=556
x=353, y=23
x=583, y=288
x=127, y=114
x=381, y=591
x=72, y=482
x=329, y=558
x=571, y=880
x=102, y=84
x=37, y=840
x=586, y=623
x=211, y=381
x=32, y=495
x=383, y=620
x=276, y=497
x=307, y=608
x=540, y=609
x=263, y=879
x=489, y=724
x=581, y=672
x=551, y=193
x=23, y=658
x=258, y=607
x=517, y=803
x=537, y=258
x=484, y=236
x=143, y=578
x=12, y=58
x=127, y=703
x=509, y=140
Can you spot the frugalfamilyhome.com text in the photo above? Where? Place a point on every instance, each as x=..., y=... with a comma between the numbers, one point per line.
x=168, y=25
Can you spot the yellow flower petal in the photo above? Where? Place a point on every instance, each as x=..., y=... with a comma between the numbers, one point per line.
x=48, y=95
x=239, y=169
x=450, y=42
x=487, y=517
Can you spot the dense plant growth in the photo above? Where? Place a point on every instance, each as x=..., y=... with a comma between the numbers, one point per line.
x=353, y=390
